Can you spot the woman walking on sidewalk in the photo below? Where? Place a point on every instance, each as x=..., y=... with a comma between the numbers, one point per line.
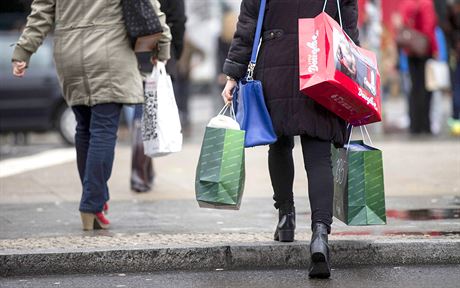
x=98, y=73
x=292, y=112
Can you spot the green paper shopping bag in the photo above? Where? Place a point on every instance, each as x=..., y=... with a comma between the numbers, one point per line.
x=359, y=197
x=220, y=172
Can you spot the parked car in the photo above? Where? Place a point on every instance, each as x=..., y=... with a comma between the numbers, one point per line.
x=32, y=103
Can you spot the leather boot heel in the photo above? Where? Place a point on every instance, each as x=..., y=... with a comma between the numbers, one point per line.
x=320, y=266
x=319, y=253
x=286, y=224
x=286, y=235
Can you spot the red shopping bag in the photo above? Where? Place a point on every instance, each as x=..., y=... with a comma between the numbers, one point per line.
x=336, y=73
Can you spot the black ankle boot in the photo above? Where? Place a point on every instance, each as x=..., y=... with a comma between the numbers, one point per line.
x=320, y=266
x=286, y=225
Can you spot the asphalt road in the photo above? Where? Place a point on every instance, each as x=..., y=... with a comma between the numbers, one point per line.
x=375, y=277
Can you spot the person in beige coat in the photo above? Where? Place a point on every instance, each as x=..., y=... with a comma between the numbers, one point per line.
x=98, y=72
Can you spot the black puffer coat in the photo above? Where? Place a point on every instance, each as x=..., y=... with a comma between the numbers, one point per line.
x=292, y=112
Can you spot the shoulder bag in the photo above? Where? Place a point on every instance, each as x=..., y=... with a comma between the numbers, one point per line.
x=249, y=102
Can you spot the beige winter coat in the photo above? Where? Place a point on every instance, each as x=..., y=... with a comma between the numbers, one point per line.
x=94, y=59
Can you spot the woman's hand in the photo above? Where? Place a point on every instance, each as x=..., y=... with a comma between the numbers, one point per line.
x=227, y=93
x=19, y=68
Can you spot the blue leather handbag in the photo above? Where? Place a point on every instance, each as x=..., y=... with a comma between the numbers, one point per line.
x=248, y=100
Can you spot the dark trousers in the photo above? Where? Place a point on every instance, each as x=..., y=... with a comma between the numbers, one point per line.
x=181, y=86
x=419, y=98
x=141, y=166
x=317, y=161
x=95, y=139
x=456, y=96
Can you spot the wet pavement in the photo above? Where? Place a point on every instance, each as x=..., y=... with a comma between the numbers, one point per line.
x=406, y=173
x=357, y=277
x=57, y=225
x=425, y=214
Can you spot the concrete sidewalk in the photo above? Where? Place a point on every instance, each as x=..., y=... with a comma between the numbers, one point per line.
x=411, y=168
x=176, y=234
x=164, y=229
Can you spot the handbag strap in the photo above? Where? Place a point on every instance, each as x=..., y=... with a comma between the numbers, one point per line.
x=338, y=8
x=255, y=45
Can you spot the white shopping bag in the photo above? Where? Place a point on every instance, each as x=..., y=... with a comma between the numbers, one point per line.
x=437, y=75
x=161, y=129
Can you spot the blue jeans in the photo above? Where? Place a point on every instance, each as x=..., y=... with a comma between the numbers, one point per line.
x=95, y=144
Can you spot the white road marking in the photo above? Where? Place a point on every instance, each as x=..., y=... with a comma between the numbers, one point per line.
x=20, y=165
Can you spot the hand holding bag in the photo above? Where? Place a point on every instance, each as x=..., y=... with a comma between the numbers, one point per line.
x=220, y=172
x=249, y=102
x=161, y=128
x=142, y=24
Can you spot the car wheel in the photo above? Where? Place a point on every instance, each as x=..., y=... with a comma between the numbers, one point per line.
x=66, y=124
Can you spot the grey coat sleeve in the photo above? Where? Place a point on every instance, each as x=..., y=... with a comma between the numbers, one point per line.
x=39, y=23
x=240, y=51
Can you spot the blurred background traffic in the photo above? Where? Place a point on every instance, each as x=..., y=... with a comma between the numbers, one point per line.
x=34, y=117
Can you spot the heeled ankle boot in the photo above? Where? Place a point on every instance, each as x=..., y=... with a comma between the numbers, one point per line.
x=320, y=266
x=93, y=221
x=286, y=226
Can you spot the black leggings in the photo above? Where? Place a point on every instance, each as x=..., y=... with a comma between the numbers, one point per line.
x=419, y=98
x=317, y=161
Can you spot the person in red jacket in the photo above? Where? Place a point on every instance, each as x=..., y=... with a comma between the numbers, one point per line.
x=420, y=16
